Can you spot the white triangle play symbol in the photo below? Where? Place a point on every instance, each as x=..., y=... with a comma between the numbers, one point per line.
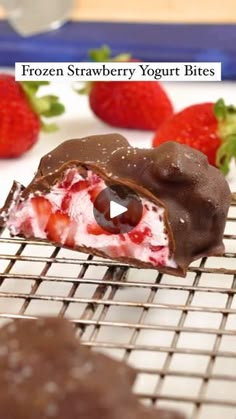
x=116, y=209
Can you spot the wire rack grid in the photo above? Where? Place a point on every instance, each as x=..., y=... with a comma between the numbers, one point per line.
x=179, y=333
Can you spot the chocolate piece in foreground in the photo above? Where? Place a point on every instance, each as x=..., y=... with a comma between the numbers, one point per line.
x=45, y=373
x=185, y=202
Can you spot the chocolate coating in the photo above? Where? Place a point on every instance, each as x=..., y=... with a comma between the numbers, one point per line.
x=195, y=194
x=45, y=373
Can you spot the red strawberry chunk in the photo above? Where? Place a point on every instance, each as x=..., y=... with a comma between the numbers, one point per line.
x=43, y=210
x=76, y=187
x=65, y=203
x=58, y=227
x=138, y=237
x=67, y=181
x=70, y=239
x=155, y=248
x=160, y=261
x=96, y=229
x=94, y=193
x=95, y=179
x=102, y=203
x=79, y=186
x=26, y=228
x=122, y=237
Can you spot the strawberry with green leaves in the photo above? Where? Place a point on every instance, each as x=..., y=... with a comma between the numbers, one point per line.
x=208, y=127
x=22, y=114
x=128, y=104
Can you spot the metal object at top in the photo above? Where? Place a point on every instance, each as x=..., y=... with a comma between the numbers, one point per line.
x=29, y=17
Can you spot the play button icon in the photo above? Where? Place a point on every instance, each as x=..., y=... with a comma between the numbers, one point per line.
x=117, y=209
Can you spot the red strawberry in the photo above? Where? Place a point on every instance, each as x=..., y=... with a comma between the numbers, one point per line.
x=94, y=192
x=138, y=237
x=79, y=186
x=61, y=229
x=76, y=187
x=9, y=87
x=26, y=227
x=155, y=248
x=68, y=179
x=133, y=214
x=66, y=202
x=43, y=210
x=208, y=127
x=20, y=112
x=70, y=239
x=137, y=104
x=96, y=229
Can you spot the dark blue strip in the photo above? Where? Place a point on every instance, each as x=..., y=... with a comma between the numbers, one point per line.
x=148, y=42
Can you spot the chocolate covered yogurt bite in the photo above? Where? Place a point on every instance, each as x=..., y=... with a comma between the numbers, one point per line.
x=184, y=203
x=45, y=373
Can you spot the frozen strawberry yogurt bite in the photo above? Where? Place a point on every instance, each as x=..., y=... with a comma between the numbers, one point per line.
x=184, y=203
x=45, y=373
x=65, y=216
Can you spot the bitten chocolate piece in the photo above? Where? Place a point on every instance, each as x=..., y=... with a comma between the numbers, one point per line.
x=45, y=373
x=185, y=199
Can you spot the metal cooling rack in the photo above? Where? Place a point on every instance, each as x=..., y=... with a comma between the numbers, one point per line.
x=179, y=333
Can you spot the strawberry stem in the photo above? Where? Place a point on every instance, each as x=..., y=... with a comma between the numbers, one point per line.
x=226, y=116
x=226, y=152
x=101, y=55
x=45, y=106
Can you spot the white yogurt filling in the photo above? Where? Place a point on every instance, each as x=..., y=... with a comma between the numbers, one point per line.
x=154, y=248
